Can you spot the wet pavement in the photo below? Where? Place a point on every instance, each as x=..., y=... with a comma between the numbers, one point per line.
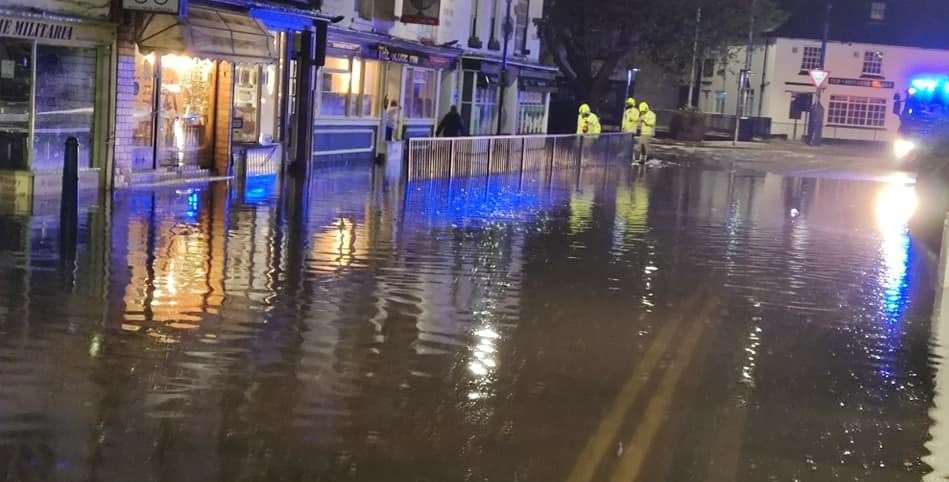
x=671, y=324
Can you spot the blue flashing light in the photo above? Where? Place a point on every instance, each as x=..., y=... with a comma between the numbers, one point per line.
x=912, y=90
x=925, y=83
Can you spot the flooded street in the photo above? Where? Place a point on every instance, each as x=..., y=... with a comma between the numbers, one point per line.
x=670, y=324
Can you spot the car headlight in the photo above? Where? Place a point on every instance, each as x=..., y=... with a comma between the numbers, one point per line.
x=902, y=148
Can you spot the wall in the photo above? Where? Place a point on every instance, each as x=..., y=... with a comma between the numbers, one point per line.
x=124, y=99
x=784, y=77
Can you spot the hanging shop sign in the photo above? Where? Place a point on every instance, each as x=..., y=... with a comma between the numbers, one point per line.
x=872, y=83
x=159, y=6
x=423, y=12
x=41, y=29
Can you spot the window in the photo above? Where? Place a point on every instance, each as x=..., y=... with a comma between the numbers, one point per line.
x=420, y=93
x=186, y=114
x=708, y=68
x=479, y=103
x=873, y=63
x=857, y=111
x=530, y=116
x=335, y=87
x=64, y=105
x=878, y=11
x=521, y=26
x=350, y=87
x=255, y=103
x=749, y=107
x=720, y=98
x=811, y=58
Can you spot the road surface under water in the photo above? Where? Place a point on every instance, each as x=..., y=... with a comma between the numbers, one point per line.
x=620, y=325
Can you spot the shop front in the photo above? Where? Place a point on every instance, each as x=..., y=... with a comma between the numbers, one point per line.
x=54, y=84
x=212, y=93
x=364, y=73
x=526, y=99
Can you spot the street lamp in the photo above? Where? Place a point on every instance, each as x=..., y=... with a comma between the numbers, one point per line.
x=631, y=75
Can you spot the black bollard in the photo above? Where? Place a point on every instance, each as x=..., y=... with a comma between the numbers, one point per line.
x=69, y=203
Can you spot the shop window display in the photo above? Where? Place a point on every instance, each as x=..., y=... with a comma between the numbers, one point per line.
x=185, y=115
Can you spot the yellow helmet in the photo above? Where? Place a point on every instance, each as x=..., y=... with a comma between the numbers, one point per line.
x=630, y=102
x=643, y=107
x=584, y=109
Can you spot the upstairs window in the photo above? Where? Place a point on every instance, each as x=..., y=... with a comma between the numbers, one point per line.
x=873, y=62
x=811, y=58
x=878, y=11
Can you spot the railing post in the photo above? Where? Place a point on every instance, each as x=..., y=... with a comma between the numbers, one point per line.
x=69, y=202
x=553, y=150
x=490, y=153
x=451, y=158
x=580, y=152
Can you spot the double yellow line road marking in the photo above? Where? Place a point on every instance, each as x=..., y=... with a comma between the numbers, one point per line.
x=688, y=327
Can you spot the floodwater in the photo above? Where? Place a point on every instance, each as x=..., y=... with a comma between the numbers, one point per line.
x=617, y=325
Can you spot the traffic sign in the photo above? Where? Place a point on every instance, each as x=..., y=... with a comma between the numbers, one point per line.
x=819, y=77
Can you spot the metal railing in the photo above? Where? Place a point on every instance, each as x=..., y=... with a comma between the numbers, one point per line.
x=433, y=158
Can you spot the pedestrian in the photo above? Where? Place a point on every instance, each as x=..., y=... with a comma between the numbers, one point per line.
x=647, y=130
x=451, y=125
x=392, y=120
x=631, y=117
x=587, y=122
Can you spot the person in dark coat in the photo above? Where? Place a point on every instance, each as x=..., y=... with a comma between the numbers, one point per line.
x=451, y=125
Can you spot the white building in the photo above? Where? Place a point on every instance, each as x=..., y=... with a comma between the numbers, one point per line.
x=374, y=58
x=876, y=48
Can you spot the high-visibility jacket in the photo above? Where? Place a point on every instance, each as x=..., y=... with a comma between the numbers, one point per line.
x=588, y=125
x=631, y=119
x=648, y=122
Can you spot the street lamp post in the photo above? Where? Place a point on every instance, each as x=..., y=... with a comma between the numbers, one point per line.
x=508, y=28
x=816, y=116
x=744, y=79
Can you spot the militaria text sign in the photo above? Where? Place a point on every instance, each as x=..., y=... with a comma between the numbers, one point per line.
x=160, y=6
x=35, y=29
x=423, y=12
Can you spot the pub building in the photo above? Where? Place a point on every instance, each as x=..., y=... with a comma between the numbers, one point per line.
x=364, y=72
x=55, y=83
x=225, y=86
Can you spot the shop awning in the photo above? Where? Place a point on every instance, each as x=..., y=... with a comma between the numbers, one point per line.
x=208, y=33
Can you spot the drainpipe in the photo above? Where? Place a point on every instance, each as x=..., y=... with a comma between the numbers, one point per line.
x=493, y=43
x=473, y=41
